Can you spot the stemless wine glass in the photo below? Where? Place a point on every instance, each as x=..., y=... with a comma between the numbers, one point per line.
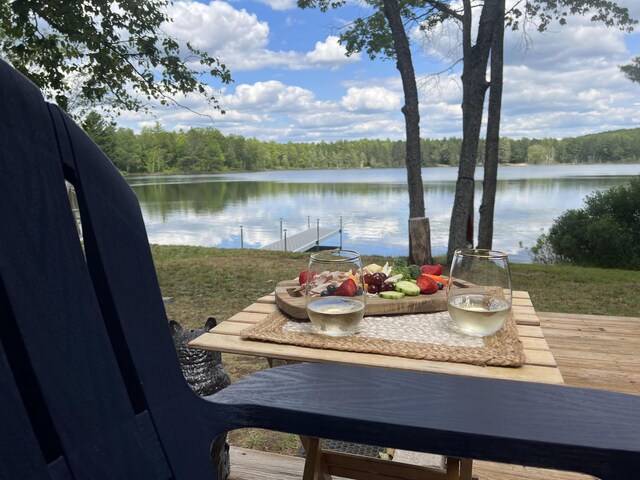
x=334, y=292
x=479, y=291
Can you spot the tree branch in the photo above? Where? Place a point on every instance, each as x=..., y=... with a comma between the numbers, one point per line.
x=443, y=7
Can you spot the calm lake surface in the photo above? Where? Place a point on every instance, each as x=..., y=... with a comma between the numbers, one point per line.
x=208, y=210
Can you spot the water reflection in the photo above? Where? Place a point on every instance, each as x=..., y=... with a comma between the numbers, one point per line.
x=208, y=210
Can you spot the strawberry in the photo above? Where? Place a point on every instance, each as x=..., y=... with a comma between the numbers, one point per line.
x=302, y=279
x=432, y=269
x=427, y=285
x=347, y=288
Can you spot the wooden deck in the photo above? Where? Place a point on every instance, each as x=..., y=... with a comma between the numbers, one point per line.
x=302, y=241
x=591, y=351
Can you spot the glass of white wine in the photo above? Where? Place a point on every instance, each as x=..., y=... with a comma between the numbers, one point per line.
x=334, y=292
x=479, y=291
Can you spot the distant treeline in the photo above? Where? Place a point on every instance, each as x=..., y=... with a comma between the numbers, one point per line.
x=155, y=150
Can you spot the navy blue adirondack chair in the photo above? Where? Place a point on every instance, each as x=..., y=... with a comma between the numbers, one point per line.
x=91, y=387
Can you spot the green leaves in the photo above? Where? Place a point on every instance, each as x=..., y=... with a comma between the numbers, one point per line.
x=543, y=12
x=605, y=232
x=112, y=53
x=632, y=70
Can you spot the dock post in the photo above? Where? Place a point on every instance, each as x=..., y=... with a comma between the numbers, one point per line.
x=281, y=229
x=340, y=232
x=317, y=234
x=285, y=239
x=241, y=237
x=309, y=222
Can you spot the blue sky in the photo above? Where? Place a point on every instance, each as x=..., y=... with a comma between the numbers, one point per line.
x=292, y=81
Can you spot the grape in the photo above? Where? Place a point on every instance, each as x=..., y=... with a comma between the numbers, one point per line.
x=368, y=278
x=379, y=278
x=373, y=288
x=389, y=287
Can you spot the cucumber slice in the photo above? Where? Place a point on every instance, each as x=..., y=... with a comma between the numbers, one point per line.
x=407, y=288
x=391, y=295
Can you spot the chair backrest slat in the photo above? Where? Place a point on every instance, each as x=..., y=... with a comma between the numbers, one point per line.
x=18, y=441
x=55, y=312
x=125, y=282
x=120, y=262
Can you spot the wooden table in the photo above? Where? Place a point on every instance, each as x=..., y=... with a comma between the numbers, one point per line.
x=540, y=367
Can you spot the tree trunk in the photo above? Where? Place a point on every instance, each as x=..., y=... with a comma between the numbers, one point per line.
x=485, y=228
x=412, y=120
x=474, y=87
x=420, y=241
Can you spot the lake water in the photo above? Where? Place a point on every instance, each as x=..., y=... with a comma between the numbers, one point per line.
x=209, y=210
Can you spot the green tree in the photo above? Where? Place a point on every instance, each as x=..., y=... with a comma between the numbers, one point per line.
x=536, y=154
x=101, y=131
x=127, y=154
x=632, y=70
x=111, y=52
x=504, y=154
x=604, y=233
x=493, y=18
x=158, y=148
x=377, y=35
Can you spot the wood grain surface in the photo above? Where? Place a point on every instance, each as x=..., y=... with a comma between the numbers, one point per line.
x=540, y=365
x=295, y=306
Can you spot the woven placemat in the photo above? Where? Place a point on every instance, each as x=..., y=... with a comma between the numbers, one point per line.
x=425, y=336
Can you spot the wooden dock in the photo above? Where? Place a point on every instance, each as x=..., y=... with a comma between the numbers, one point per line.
x=591, y=351
x=303, y=241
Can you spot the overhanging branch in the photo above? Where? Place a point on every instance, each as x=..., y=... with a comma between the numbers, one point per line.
x=443, y=7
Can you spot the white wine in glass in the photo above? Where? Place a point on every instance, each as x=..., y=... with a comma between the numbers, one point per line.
x=479, y=291
x=334, y=292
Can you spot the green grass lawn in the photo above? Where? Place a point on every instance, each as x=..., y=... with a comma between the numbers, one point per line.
x=221, y=282
x=217, y=282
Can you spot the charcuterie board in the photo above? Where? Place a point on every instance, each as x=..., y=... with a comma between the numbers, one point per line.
x=374, y=305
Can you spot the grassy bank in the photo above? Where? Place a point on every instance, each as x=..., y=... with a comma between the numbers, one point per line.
x=221, y=282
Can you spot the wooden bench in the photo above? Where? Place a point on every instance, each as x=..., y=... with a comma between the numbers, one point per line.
x=91, y=386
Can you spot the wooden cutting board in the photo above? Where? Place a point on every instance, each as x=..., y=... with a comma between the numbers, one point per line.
x=295, y=306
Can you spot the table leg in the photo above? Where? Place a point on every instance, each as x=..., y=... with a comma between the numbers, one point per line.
x=314, y=466
x=459, y=469
x=466, y=469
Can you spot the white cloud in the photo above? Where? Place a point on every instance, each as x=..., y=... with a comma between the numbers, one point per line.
x=216, y=26
x=273, y=110
x=241, y=41
x=568, y=47
x=566, y=83
x=562, y=82
x=566, y=103
x=272, y=96
x=280, y=4
x=371, y=99
x=330, y=52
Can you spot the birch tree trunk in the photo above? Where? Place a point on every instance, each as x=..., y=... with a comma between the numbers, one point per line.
x=489, y=185
x=474, y=87
x=404, y=63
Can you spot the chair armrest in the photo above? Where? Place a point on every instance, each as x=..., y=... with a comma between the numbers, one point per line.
x=540, y=425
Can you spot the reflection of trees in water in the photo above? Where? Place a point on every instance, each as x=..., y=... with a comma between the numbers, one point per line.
x=199, y=197
x=543, y=187
x=161, y=199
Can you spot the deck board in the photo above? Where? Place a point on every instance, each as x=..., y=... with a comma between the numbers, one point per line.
x=591, y=351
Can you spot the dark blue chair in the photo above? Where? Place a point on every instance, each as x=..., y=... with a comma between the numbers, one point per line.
x=91, y=386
